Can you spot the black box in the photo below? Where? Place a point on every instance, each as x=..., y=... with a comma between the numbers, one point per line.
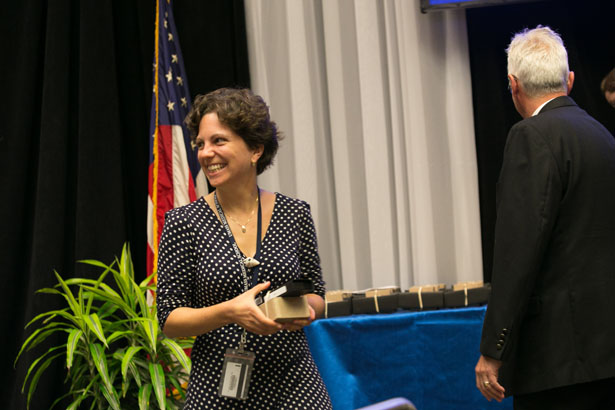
x=431, y=300
x=342, y=308
x=386, y=304
x=475, y=297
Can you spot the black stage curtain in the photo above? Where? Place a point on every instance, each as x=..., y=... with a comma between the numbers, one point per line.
x=77, y=86
x=585, y=27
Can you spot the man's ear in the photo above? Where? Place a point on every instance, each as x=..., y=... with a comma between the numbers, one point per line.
x=570, y=81
x=513, y=84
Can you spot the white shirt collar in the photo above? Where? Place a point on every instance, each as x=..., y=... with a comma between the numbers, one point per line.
x=542, y=105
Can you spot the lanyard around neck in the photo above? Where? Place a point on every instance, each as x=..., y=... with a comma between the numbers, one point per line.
x=229, y=233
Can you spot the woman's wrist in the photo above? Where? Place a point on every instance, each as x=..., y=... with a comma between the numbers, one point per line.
x=226, y=312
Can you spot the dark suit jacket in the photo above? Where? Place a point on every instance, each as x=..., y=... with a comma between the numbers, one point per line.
x=551, y=314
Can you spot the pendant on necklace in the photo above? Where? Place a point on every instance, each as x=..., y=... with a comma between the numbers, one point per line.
x=243, y=228
x=250, y=262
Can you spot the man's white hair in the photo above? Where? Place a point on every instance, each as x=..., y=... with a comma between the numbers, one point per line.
x=538, y=59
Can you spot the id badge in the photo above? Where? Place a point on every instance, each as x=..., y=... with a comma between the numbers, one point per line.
x=236, y=373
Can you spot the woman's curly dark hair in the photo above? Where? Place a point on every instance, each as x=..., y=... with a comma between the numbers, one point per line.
x=245, y=113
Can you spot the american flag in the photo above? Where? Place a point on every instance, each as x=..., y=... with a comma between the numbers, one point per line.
x=175, y=177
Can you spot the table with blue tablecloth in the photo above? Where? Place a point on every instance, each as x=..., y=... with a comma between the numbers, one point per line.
x=427, y=357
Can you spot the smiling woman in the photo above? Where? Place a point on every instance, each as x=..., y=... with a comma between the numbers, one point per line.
x=242, y=113
x=210, y=271
x=224, y=155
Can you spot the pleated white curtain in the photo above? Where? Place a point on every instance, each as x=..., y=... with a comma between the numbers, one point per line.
x=375, y=100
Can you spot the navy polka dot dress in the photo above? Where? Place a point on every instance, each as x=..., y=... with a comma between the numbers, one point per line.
x=197, y=267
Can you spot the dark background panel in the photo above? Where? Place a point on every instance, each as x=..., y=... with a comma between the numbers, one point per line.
x=77, y=88
x=213, y=42
x=587, y=30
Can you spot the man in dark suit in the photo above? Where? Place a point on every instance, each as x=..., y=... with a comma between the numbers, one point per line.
x=549, y=332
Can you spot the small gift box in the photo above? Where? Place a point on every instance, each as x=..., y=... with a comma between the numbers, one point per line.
x=376, y=300
x=467, y=294
x=338, y=303
x=422, y=297
x=286, y=309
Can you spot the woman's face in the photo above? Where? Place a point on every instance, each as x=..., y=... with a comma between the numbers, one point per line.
x=223, y=155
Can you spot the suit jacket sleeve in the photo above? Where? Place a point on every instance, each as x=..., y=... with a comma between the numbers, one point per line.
x=528, y=193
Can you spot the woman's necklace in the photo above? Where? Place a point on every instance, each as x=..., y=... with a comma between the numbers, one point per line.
x=244, y=226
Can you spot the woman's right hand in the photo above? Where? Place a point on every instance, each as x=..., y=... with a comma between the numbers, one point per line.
x=247, y=314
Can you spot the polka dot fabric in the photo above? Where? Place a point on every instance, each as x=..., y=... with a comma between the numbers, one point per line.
x=197, y=267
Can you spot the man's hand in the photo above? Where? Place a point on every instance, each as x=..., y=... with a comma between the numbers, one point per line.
x=487, y=378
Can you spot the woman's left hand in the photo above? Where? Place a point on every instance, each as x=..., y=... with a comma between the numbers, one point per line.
x=299, y=324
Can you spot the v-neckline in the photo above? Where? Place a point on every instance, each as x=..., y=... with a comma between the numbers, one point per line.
x=221, y=225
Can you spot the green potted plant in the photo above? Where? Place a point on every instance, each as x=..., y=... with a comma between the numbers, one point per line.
x=114, y=351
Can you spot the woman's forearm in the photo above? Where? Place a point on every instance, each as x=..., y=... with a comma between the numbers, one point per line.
x=186, y=321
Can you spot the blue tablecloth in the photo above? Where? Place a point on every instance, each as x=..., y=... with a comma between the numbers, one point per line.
x=426, y=357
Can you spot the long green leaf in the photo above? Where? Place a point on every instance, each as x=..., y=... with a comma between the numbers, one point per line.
x=73, y=338
x=127, y=359
x=89, y=301
x=80, y=301
x=113, y=297
x=119, y=334
x=178, y=352
x=186, y=342
x=75, y=404
x=104, y=292
x=111, y=396
x=43, y=331
x=100, y=361
x=100, y=286
x=126, y=266
x=83, y=295
x=96, y=263
x=140, y=295
x=49, y=315
x=135, y=374
x=125, y=275
x=106, y=310
x=68, y=295
x=38, y=375
x=81, y=281
x=157, y=374
x=95, y=326
x=178, y=387
x=40, y=338
x=146, y=282
x=36, y=362
x=150, y=327
x=50, y=291
x=99, y=283
x=144, y=393
x=125, y=380
x=124, y=285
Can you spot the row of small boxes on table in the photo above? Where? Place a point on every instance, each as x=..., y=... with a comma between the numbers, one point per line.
x=390, y=299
